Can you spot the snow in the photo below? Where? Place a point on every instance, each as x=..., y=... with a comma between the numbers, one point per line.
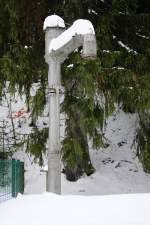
x=79, y=27
x=142, y=36
x=106, y=51
x=14, y=107
x=109, y=196
x=126, y=47
x=118, y=68
x=53, y=21
x=118, y=170
x=92, y=11
x=52, y=209
x=70, y=66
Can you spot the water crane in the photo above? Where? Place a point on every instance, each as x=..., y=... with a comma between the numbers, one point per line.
x=59, y=43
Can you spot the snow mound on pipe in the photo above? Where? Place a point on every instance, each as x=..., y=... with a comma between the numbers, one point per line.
x=53, y=21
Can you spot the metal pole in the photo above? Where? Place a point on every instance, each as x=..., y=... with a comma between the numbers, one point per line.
x=3, y=139
x=53, y=182
x=54, y=162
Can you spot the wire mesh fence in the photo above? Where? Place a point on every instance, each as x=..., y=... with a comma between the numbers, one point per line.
x=5, y=179
x=11, y=179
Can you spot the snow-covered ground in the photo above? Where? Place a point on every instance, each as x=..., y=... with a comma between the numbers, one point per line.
x=118, y=171
x=46, y=209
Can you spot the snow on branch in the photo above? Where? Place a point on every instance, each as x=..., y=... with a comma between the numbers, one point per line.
x=126, y=47
x=142, y=36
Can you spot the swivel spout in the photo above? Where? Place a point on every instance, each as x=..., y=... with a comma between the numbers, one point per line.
x=89, y=46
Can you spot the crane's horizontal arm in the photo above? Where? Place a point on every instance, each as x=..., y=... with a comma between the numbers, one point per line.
x=63, y=52
x=81, y=33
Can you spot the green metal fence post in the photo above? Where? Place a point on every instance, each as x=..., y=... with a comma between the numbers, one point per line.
x=22, y=177
x=17, y=176
x=13, y=178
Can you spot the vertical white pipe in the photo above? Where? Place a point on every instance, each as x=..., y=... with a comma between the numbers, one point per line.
x=54, y=84
x=54, y=162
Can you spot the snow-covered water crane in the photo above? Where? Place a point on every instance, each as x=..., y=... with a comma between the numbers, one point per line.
x=59, y=43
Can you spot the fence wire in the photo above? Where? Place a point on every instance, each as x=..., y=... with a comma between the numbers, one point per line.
x=11, y=179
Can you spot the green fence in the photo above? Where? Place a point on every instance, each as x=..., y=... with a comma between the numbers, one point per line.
x=11, y=178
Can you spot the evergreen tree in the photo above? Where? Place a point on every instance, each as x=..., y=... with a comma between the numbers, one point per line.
x=119, y=75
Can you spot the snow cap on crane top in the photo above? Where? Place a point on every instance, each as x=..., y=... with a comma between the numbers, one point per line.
x=53, y=21
x=82, y=26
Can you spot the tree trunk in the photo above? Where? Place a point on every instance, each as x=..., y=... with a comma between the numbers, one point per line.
x=83, y=162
